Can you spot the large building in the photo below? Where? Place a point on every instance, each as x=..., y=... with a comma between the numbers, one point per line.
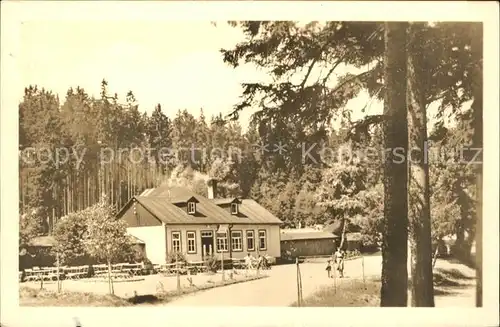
x=174, y=219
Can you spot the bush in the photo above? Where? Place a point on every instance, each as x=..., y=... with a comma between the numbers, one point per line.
x=352, y=254
x=90, y=272
x=133, y=254
x=69, y=234
x=176, y=257
x=148, y=266
x=212, y=263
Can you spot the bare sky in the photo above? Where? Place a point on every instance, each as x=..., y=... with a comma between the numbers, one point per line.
x=175, y=63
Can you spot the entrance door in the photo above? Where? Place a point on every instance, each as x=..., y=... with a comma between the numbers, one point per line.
x=207, y=243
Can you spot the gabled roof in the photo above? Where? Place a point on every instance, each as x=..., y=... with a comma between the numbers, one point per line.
x=147, y=191
x=226, y=201
x=161, y=203
x=173, y=192
x=192, y=199
x=256, y=213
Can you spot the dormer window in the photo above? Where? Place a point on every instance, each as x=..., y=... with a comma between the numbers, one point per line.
x=234, y=208
x=191, y=208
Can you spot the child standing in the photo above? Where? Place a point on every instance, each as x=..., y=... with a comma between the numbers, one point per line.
x=329, y=268
x=339, y=258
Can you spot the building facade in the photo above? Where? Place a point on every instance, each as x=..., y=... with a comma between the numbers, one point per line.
x=175, y=220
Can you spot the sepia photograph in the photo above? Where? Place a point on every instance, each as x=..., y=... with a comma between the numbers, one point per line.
x=216, y=162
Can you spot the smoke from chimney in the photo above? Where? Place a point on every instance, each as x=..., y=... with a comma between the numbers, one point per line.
x=212, y=188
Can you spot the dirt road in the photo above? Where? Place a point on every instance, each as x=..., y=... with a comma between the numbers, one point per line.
x=280, y=288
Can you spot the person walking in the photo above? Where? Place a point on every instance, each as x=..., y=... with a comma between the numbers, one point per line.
x=249, y=261
x=339, y=260
x=329, y=268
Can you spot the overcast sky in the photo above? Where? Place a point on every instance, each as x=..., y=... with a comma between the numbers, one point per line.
x=174, y=63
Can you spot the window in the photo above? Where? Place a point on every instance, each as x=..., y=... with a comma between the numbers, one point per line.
x=237, y=240
x=222, y=242
x=250, y=240
x=176, y=241
x=234, y=208
x=191, y=242
x=262, y=240
x=206, y=233
x=191, y=208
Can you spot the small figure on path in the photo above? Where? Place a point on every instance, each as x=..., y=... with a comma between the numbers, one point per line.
x=249, y=261
x=329, y=268
x=259, y=261
x=265, y=262
x=339, y=260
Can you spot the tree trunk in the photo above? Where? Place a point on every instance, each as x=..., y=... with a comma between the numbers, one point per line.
x=479, y=242
x=177, y=274
x=419, y=198
x=395, y=234
x=434, y=258
x=477, y=142
x=343, y=237
x=58, y=270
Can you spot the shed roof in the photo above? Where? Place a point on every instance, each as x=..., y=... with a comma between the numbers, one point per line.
x=287, y=236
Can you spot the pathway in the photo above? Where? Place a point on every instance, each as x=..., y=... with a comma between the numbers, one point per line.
x=280, y=288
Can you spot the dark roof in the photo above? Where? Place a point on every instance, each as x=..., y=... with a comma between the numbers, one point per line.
x=335, y=227
x=291, y=236
x=174, y=193
x=256, y=213
x=161, y=203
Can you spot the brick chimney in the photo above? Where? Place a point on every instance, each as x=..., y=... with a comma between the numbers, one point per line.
x=212, y=188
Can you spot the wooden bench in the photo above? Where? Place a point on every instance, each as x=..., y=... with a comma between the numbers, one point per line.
x=239, y=263
x=197, y=266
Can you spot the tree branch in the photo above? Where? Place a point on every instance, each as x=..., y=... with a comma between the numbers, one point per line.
x=364, y=123
x=308, y=73
x=337, y=63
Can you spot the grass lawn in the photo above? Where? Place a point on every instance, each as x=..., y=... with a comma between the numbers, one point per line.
x=347, y=293
x=453, y=286
x=29, y=296
x=33, y=297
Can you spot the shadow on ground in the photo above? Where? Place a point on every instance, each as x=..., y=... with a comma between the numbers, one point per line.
x=145, y=299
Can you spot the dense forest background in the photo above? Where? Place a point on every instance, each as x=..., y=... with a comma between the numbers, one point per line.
x=320, y=188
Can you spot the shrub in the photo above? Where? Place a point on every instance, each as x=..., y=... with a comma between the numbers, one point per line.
x=133, y=254
x=69, y=233
x=352, y=254
x=212, y=263
x=148, y=266
x=176, y=257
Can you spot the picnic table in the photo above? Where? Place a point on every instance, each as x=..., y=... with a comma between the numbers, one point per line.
x=75, y=272
x=134, y=269
x=197, y=266
x=119, y=270
x=37, y=273
x=100, y=269
x=166, y=268
x=238, y=263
